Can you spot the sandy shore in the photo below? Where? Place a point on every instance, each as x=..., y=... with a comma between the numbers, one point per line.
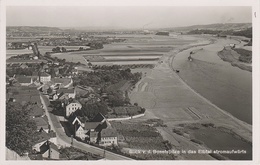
x=167, y=97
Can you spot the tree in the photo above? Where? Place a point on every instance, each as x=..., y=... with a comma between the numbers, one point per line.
x=20, y=128
x=63, y=49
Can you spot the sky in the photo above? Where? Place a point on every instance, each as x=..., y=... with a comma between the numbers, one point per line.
x=141, y=17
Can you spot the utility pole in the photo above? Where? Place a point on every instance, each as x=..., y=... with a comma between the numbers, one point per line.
x=71, y=140
x=104, y=154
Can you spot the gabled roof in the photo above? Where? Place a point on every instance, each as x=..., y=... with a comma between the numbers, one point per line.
x=109, y=132
x=102, y=126
x=24, y=79
x=41, y=122
x=78, y=126
x=44, y=74
x=65, y=90
x=73, y=116
x=98, y=118
x=63, y=81
x=91, y=125
x=39, y=137
x=47, y=145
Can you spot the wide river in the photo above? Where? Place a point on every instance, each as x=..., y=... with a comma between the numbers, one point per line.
x=228, y=87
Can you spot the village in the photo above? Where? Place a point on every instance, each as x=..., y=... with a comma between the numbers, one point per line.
x=54, y=86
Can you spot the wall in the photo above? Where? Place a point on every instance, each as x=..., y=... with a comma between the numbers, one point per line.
x=125, y=118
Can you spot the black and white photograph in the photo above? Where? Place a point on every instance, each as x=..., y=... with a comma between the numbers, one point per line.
x=130, y=82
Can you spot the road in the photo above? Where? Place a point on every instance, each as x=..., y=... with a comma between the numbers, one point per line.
x=64, y=140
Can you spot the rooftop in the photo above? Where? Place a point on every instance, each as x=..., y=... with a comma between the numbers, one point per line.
x=42, y=136
x=91, y=125
x=63, y=81
x=65, y=90
x=44, y=74
x=98, y=118
x=41, y=122
x=24, y=79
x=109, y=132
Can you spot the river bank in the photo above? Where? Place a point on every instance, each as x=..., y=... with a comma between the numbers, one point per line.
x=231, y=56
x=167, y=97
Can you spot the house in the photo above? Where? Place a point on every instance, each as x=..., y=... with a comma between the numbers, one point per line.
x=74, y=118
x=77, y=125
x=49, y=150
x=74, y=71
x=42, y=124
x=83, y=90
x=93, y=137
x=66, y=93
x=24, y=80
x=91, y=126
x=44, y=88
x=44, y=77
x=41, y=137
x=53, y=96
x=61, y=82
x=108, y=137
x=23, y=66
x=80, y=131
x=99, y=118
x=72, y=107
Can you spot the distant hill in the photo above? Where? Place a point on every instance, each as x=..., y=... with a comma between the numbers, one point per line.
x=32, y=29
x=218, y=26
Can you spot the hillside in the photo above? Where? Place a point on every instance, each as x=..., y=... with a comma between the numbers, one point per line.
x=32, y=29
x=218, y=26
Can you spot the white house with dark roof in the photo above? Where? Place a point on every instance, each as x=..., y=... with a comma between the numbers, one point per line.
x=44, y=77
x=108, y=137
x=72, y=107
x=65, y=93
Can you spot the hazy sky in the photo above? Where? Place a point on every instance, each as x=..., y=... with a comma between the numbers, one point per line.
x=124, y=17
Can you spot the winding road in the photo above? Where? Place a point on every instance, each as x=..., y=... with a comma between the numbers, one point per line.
x=65, y=141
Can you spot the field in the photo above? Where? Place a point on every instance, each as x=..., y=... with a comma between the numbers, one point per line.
x=139, y=136
x=10, y=53
x=137, y=49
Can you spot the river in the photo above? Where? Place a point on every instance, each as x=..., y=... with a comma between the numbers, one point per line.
x=228, y=87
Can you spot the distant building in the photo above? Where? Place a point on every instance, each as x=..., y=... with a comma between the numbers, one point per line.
x=61, y=82
x=163, y=33
x=24, y=80
x=74, y=71
x=65, y=93
x=44, y=77
x=23, y=66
